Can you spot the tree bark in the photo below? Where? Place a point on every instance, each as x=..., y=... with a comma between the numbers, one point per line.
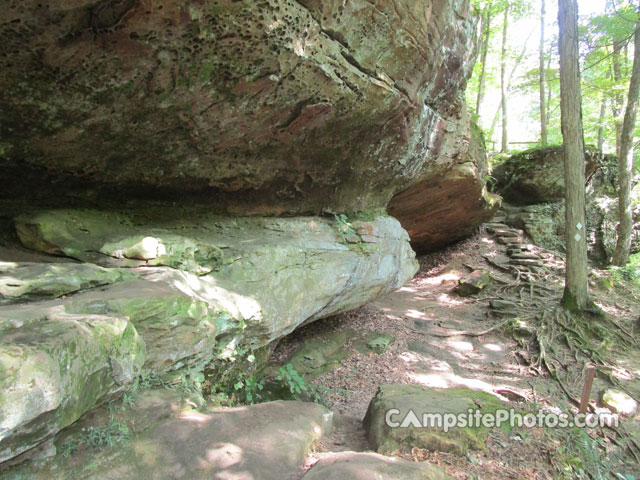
x=486, y=29
x=503, y=85
x=616, y=104
x=603, y=111
x=543, y=110
x=576, y=291
x=625, y=166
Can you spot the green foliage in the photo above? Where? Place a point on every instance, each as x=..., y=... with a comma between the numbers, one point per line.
x=147, y=380
x=68, y=447
x=629, y=275
x=248, y=390
x=128, y=400
x=113, y=434
x=238, y=380
x=346, y=230
x=580, y=457
x=298, y=387
x=190, y=383
x=605, y=40
x=292, y=380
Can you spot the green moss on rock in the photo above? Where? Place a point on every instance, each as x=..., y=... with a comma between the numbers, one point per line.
x=421, y=400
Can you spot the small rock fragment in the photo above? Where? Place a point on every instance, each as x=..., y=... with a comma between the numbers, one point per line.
x=473, y=283
x=619, y=402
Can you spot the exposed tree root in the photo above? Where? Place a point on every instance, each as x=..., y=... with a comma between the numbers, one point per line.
x=472, y=334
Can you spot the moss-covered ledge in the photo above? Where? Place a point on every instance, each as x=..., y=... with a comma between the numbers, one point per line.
x=186, y=308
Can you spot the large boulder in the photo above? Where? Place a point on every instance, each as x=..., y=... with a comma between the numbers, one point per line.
x=169, y=304
x=268, y=107
x=536, y=184
x=537, y=175
x=448, y=204
x=295, y=270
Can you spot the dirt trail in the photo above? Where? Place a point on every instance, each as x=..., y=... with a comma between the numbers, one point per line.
x=423, y=318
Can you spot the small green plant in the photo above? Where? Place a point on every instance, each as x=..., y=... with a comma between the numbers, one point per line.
x=191, y=383
x=291, y=379
x=114, y=433
x=147, y=380
x=248, y=390
x=68, y=447
x=629, y=275
x=581, y=458
x=346, y=230
x=128, y=400
x=238, y=352
x=299, y=388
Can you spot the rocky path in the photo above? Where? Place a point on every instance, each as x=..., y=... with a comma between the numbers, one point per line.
x=435, y=330
x=451, y=327
x=445, y=339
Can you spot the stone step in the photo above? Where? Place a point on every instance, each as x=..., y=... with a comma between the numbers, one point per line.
x=506, y=232
x=491, y=228
x=509, y=240
x=521, y=247
x=525, y=256
x=526, y=262
x=496, y=225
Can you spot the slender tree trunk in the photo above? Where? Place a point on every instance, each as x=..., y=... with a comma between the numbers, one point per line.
x=512, y=73
x=625, y=167
x=616, y=104
x=603, y=111
x=503, y=83
x=548, y=105
x=486, y=29
x=576, y=291
x=543, y=112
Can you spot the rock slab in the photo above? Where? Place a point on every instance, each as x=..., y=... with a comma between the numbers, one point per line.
x=366, y=466
x=267, y=441
x=395, y=418
x=186, y=290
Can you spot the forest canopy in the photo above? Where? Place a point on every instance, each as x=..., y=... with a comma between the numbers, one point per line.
x=518, y=50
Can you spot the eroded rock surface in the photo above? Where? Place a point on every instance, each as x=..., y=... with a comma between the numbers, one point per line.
x=448, y=204
x=26, y=281
x=261, y=107
x=168, y=305
x=58, y=366
x=537, y=175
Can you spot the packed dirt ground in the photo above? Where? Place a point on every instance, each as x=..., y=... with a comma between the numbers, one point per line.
x=537, y=361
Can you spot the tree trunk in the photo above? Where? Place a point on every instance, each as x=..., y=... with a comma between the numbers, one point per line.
x=503, y=85
x=625, y=168
x=548, y=105
x=543, y=110
x=576, y=291
x=603, y=111
x=512, y=73
x=616, y=104
x=486, y=26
